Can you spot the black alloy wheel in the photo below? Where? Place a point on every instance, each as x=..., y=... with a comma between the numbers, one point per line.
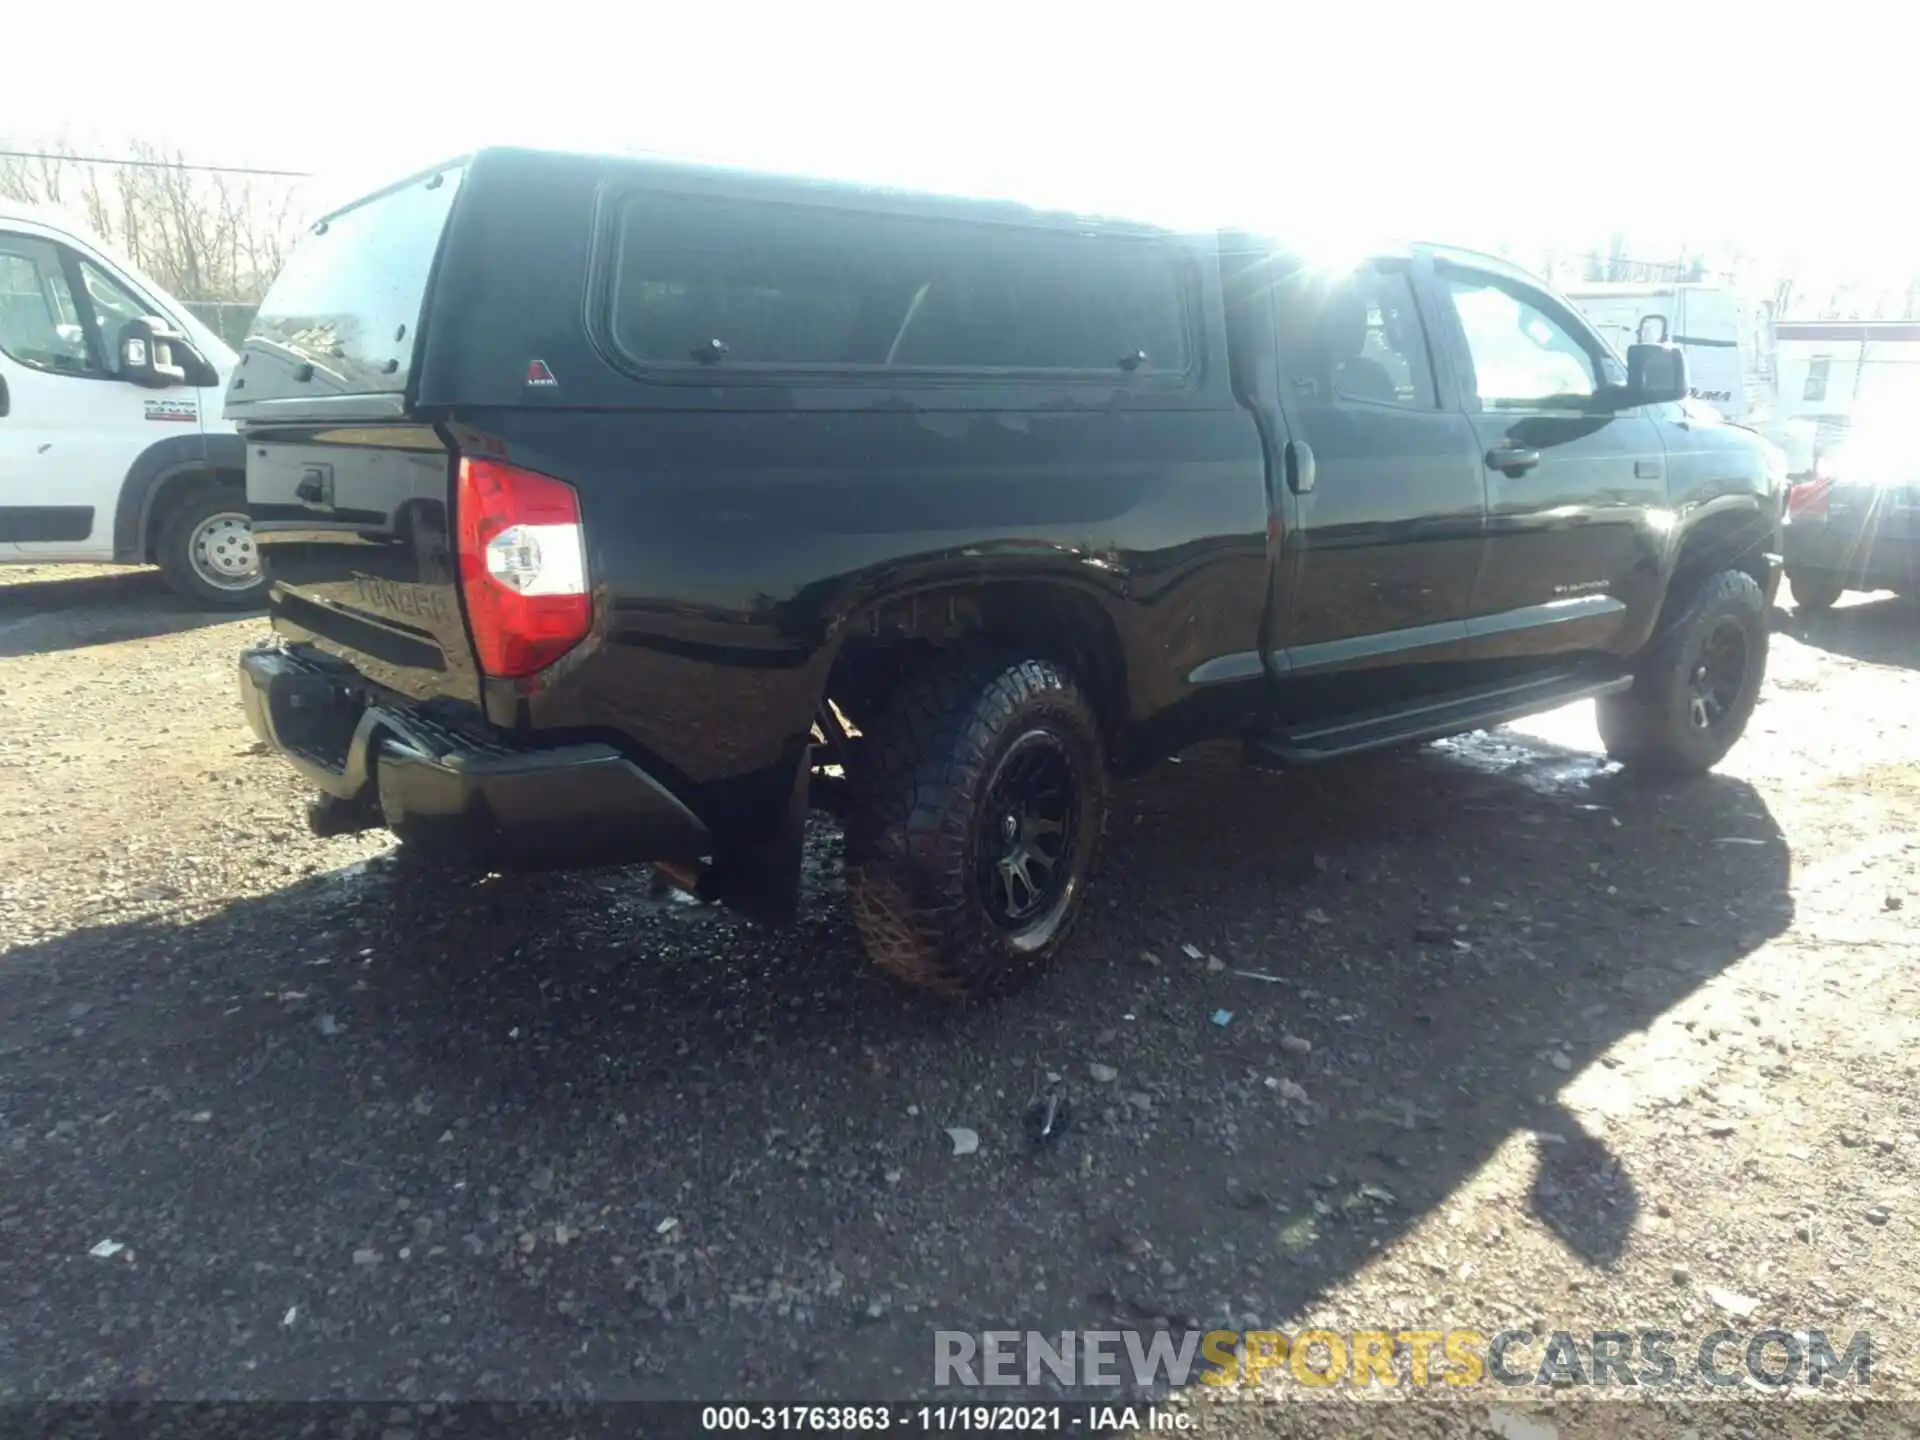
x=1719, y=676
x=1028, y=833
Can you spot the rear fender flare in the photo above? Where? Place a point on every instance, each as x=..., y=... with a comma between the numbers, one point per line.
x=1083, y=626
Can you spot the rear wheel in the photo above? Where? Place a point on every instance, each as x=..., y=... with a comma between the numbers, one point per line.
x=1815, y=590
x=973, y=822
x=433, y=857
x=1696, y=685
x=207, y=552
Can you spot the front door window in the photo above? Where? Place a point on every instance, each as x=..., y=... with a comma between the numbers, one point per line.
x=1524, y=357
x=40, y=326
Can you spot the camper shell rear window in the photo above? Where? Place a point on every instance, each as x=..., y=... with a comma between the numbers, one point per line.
x=729, y=288
x=343, y=316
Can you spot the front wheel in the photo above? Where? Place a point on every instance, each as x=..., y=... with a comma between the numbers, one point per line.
x=1696, y=684
x=973, y=822
x=207, y=551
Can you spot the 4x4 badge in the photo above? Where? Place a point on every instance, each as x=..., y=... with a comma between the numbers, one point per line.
x=539, y=374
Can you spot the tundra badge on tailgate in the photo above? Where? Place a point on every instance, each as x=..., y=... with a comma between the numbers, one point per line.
x=398, y=597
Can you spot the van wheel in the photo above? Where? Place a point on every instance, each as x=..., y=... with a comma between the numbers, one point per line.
x=973, y=823
x=1814, y=591
x=1696, y=685
x=207, y=551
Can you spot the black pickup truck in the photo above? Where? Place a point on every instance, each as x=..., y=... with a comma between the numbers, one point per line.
x=620, y=511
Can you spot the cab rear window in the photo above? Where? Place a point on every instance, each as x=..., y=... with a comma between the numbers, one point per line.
x=728, y=285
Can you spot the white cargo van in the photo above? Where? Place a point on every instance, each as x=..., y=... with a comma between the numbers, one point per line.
x=1708, y=322
x=112, y=445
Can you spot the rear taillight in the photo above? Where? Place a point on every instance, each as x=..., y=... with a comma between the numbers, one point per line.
x=523, y=566
x=1808, y=499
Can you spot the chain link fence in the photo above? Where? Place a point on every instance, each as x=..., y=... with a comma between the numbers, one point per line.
x=229, y=319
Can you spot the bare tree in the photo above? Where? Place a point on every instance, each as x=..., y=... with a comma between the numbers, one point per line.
x=1782, y=305
x=203, y=235
x=1612, y=262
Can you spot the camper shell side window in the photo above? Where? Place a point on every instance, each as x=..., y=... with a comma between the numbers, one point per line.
x=712, y=290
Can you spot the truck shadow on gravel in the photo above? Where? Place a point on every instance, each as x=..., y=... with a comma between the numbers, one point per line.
x=38, y=617
x=1880, y=631
x=383, y=1135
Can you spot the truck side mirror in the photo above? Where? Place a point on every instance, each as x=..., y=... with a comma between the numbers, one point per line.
x=1656, y=374
x=155, y=355
x=1652, y=331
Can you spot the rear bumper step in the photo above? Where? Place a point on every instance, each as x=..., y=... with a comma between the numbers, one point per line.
x=573, y=805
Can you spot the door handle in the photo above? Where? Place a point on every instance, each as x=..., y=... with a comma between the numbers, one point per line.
x=1512, y=459
x=6, y=401
x=1300, y=469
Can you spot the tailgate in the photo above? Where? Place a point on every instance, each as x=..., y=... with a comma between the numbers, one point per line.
x=353, y=528
x=350, y=493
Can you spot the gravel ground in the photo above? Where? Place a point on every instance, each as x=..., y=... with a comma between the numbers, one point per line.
x=1509, y=1042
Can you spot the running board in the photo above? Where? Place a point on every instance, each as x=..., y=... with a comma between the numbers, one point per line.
x=1434, y=720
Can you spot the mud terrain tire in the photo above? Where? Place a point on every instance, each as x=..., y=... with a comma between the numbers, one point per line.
x=1696, y=683
x=974, y=822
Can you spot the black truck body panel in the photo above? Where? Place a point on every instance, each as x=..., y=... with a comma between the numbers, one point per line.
x=1222, y=545
x=1869, y=538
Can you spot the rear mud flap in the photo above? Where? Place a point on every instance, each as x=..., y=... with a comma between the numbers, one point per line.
x=762, y=880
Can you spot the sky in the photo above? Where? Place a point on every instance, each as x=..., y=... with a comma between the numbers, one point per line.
x=1703, y=126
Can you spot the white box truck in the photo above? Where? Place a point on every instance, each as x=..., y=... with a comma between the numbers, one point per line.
x=1732, y=354
x=1710, y=323
x=1829, y=369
